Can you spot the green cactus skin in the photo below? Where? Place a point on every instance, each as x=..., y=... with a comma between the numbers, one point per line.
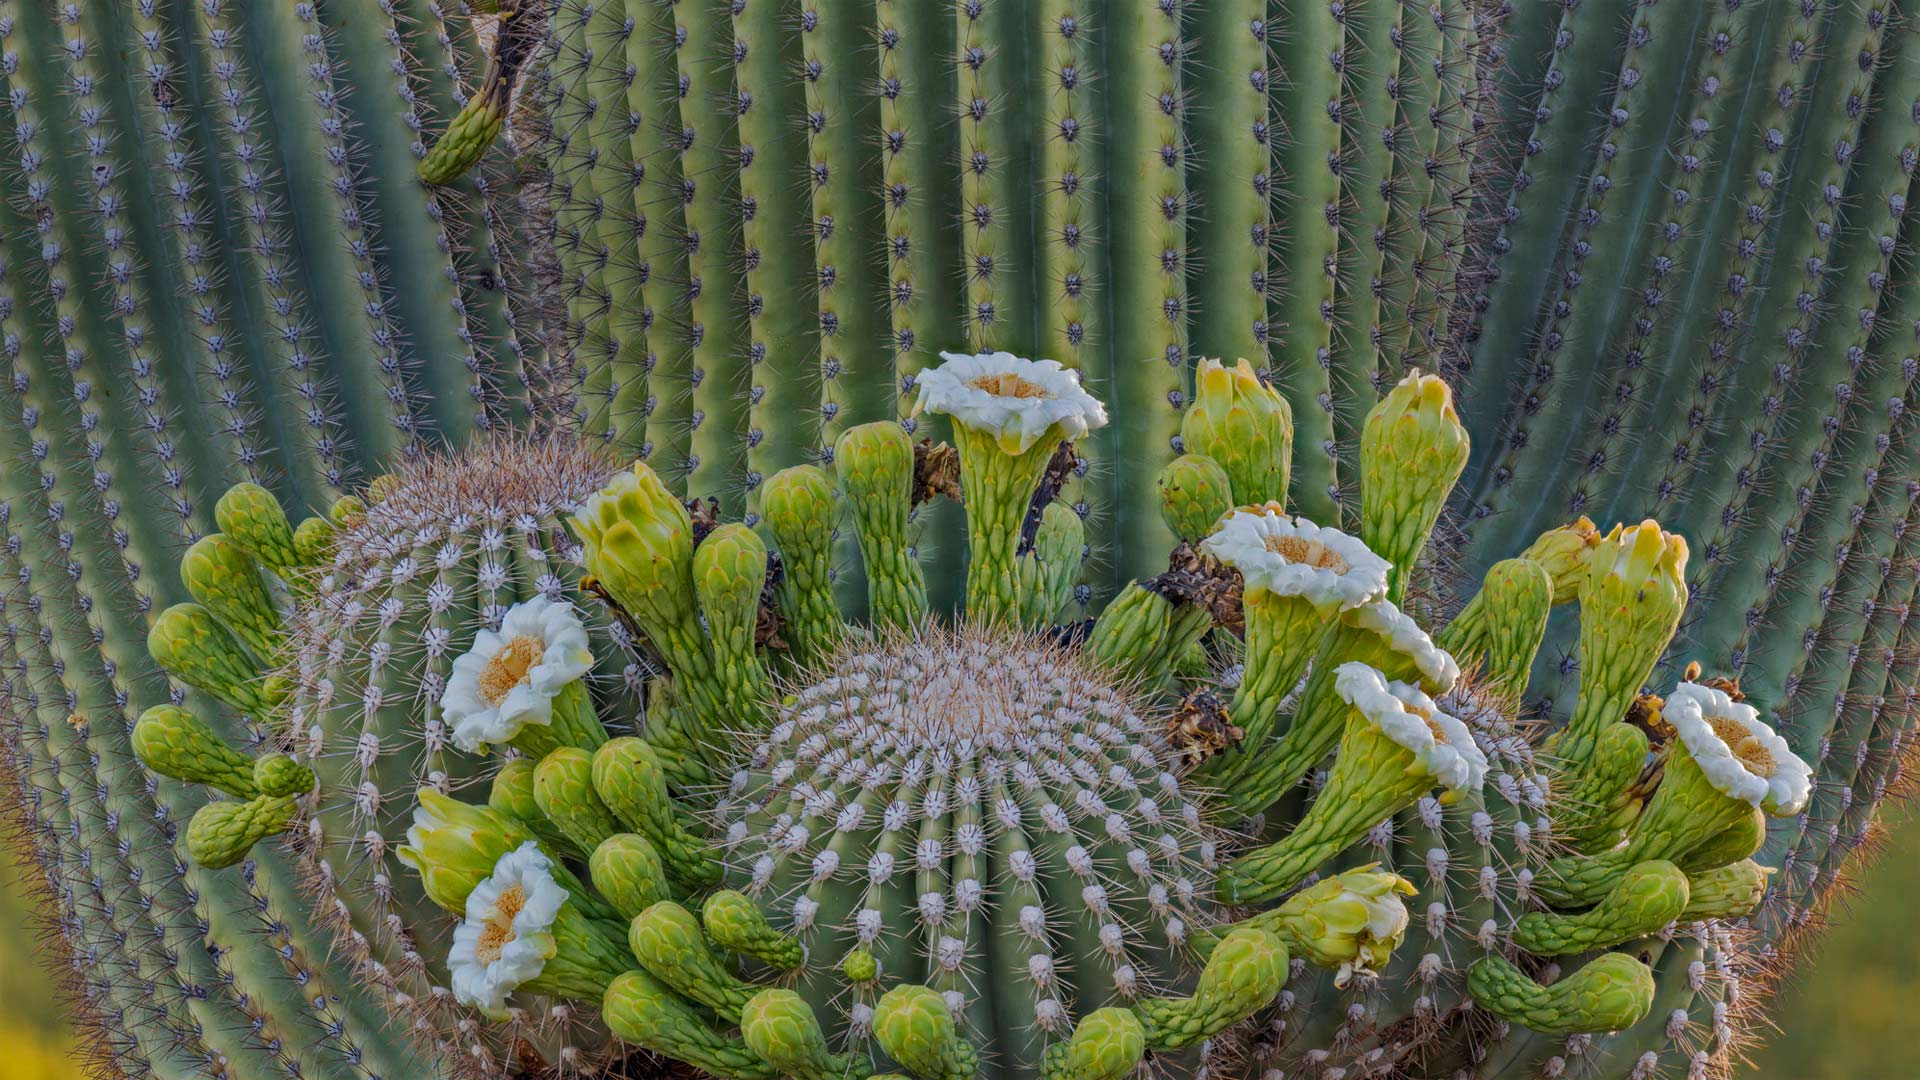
x=222, y=268
x=1606, y=994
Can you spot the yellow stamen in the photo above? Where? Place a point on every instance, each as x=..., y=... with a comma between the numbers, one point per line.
x=1747, y=749
x=1311, y=552
x=499, y=927
x=1009, y=385
x=509, y=668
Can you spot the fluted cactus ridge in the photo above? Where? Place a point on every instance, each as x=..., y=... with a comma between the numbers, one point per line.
x=533, y=546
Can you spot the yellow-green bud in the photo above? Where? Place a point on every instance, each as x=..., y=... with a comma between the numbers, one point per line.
x=1563, y=554
x=221, y=833
x=1245, y=426
x=174, y=742
x=278, y=774
x=1107, y=1044
x=1412, y=450
x=253, y=518
x=453, y=846
x=1194, y=495
x=1350, y=922
x=638, y=541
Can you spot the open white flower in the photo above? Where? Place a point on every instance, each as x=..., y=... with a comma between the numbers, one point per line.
x=1442, y=746
x=1290, y=556
x=1014, y=399
x=507, y=937
x=1403, y=635
x=509, y=679
x=1740, y=755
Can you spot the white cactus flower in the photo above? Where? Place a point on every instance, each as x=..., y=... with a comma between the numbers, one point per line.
x=1442, y=746
x=1014, y=399
x=1436, y=665
x=507, y=937
x=1740, y=754
x=1290, y=556
x=509, y=679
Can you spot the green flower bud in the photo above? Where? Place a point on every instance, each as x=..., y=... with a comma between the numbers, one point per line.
x=174, y=742
x=1630, y=604
x=253, y=518
x=736, y=924
x=200, y=651
x=914, y=1026
x=313, y=540
x=1194, y=495
x=1246, y=972
x=1412, y=450
x=1244, y=425
x=1107, y=1044
x=627, y=870
x=1610, y=994
x=638, y=540
x=1564, y=553
x=221, y=833
x=226, y=581
x=453, y=846
x=278, y=774
x=780, y=1026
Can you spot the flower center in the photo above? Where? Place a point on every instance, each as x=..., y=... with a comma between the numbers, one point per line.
x=509, y=668
x=1747, y=749
x=1311, y=552
x=1009, y=385
x=1439, y=736
x=498, y=930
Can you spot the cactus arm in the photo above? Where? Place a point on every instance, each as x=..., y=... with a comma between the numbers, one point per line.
x=570, y=113
x=1067, y=211
x=1864, y=285
x=782, y=322
x=991, y=316
x=1146, y=208
x=708, y=152
x=190, y=247
x=1231, y=133
x=1245, y=972
x=329, y=230
x=641, y=1010
x=1700, y=143
x=1643, y=901
x=657, y=217
x=1607, y=994
x=914, y=1027
x=1369, y=131
x=1309, y=245
x=1534, y=453
x=1563, y=129
x=1809, y=247
x=922, y=247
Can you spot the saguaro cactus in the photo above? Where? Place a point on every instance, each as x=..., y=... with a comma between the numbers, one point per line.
x=292, y=426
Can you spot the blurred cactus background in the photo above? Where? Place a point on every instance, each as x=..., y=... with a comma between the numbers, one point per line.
x=257, y=256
